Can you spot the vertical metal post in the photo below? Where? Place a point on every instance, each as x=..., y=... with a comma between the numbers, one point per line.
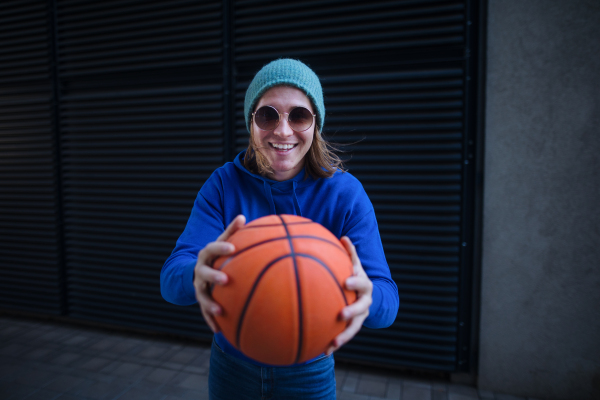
x=56, y=92
x=228, y=84
x=471, y=218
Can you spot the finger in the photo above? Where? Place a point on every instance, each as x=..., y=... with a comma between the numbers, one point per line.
x=361, y=284
x=349, y=332
x=351, y=249
x=207, y=304
x=210, y=321
x=213, y=250
x=357, y=308
x=204, y=274
x=236, y=224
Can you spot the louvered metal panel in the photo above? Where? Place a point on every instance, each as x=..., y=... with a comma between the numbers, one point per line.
x=149, y=99
x=393, y=74
x=141, y=122
x=29, y=205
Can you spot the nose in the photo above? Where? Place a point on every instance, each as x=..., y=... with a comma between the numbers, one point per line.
x=283, y=129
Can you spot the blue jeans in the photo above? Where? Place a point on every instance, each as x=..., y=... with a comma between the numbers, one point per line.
x=232, y=378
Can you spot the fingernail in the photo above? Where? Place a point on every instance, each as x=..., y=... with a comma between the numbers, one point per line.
x=350, y=281
x=216, y=310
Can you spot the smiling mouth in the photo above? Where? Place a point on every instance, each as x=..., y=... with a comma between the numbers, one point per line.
x=283, y=147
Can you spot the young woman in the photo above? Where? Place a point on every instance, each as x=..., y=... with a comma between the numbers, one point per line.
x=288, y=168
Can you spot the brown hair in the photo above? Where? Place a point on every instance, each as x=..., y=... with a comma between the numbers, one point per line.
x=320, y=160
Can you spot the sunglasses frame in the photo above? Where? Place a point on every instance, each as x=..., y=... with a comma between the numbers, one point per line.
x=288, y=118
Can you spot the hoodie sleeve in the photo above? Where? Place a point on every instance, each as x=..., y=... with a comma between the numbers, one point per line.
x=364, y=234
x=205, y=224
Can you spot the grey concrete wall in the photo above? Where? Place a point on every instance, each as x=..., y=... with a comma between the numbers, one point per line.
x=540, y=308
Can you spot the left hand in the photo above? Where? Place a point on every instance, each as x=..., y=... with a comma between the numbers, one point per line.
x=357, y=312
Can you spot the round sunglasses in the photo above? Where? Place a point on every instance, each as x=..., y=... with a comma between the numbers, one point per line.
x=268, y=117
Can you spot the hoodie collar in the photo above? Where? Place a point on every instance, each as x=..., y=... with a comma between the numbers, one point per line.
x=282, y=186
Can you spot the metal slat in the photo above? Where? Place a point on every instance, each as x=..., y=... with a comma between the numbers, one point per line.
x=135, y=149
x=29, y=234
x=408, y=122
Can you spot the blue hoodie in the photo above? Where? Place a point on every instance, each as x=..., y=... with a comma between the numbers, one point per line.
x=339, y=203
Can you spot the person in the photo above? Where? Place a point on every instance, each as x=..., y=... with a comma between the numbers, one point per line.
x=288, y=168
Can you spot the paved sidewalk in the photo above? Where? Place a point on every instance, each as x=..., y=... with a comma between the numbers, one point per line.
x=55, y=360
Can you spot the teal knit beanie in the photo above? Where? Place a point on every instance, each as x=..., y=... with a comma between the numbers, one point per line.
x=285, y=71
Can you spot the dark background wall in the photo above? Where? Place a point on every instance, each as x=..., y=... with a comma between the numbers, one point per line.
x=114, y=113
x=540, y=331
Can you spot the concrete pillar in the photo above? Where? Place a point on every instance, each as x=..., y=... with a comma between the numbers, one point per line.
x=540, y=305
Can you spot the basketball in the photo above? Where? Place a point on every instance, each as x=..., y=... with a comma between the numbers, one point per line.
x=286, y=289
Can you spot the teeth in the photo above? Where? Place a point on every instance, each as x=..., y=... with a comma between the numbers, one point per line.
x=282, y=146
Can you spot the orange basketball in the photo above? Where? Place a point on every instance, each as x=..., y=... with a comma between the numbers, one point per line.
x=285, y=292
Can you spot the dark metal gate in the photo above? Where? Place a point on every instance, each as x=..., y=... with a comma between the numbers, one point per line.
x=134, y=103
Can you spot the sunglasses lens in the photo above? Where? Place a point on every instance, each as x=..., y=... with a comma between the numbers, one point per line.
x=266, y=118
x=300, y=119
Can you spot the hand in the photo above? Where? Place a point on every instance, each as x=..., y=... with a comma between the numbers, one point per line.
x=357, y=312
x=205, y=275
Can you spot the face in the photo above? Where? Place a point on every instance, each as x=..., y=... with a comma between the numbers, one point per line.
x=275, y=145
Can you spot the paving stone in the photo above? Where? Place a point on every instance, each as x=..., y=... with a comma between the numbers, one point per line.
x=103, y=390
x=501, y=396
x=352, y=396
x=350, y=383
x=103, y=344
x=141, y=393
x=65, y=383
x=373, y=377
x=462, y=389
x=196, y=370
x=196, y=382
x=411, y=392
x=418, y=384
x=127, y=370
x=185, y=356
x=111, y=367
x=160, y=375
x=127, y=346
x=66, y=396
x=14, y=349
x=394, y=390
x=95, y=364
x=44, y=394
x=340, y=377
x=190, y=394
x=76, y=340
x=53, y=336
x=439, y=395
x=458, y=396
x=39, y=354
x=371, y=387
x=440, y=386
x=485, y=394
x=65, y=359
x=173, y=366
x=11, y=331
x=153, y=352
x=35, y=378
x=15, y=390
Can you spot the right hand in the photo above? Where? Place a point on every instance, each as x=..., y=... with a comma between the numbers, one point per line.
x=205, y=275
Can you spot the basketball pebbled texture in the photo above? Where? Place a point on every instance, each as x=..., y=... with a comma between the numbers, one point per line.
x=285, y=292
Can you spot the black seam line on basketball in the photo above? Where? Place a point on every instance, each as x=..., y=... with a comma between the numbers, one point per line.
x=328, y=270
x=247, y=303
x=300, y=317
x=270, y=225
x=275, y=239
